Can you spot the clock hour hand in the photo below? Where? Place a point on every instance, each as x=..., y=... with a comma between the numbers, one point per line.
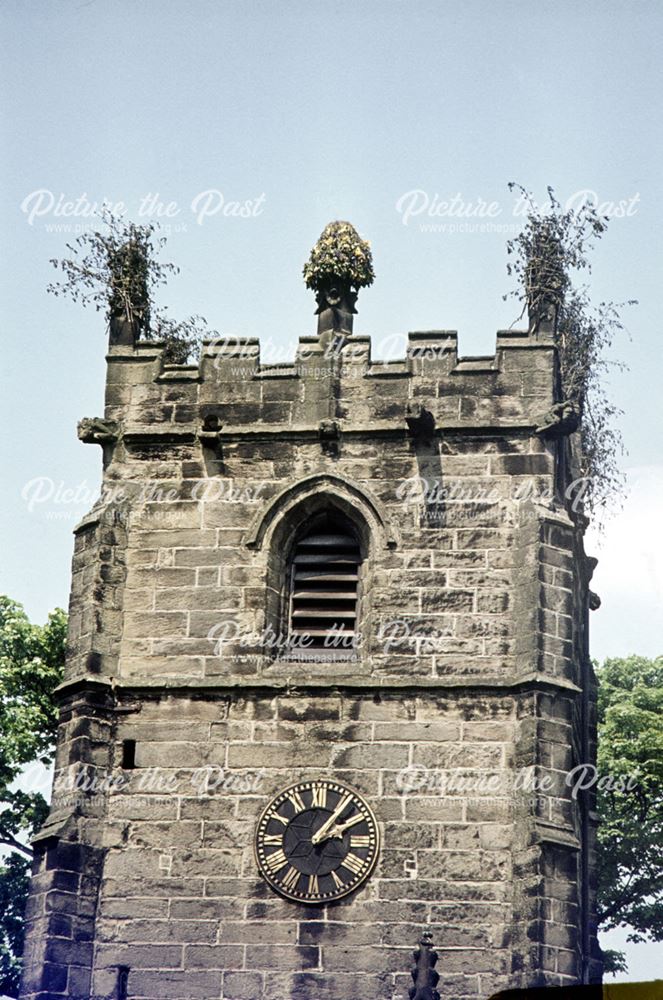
x=339, y=828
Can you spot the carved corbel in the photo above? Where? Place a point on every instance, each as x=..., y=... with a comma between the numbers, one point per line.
x=420, y=421
x=209, y=436
x=330, y=437
x=210, y=432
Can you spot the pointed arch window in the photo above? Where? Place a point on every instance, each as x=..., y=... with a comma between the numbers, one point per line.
x=324, y=585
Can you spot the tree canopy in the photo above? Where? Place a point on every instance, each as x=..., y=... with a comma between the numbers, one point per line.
x=630, y=836
x=31, y=665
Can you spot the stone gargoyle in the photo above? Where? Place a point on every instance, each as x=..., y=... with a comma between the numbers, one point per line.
x=560, y=420
x=96, y=430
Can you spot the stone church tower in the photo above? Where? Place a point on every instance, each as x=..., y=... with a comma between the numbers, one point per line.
x=357, y=578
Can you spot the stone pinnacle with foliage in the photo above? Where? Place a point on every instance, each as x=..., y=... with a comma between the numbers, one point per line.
x=340, y=255
x=339, y=265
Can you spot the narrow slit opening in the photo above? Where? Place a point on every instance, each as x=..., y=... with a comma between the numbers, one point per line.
x=123, y=970
x=128, y=755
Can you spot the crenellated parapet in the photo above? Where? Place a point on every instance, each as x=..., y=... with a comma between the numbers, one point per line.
x=513, y=389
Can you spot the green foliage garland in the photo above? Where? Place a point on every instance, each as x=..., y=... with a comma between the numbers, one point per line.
x=340, y=254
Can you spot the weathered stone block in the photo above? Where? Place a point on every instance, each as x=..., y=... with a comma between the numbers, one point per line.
x=169, y=985
x=285, y=957
x=243, y=986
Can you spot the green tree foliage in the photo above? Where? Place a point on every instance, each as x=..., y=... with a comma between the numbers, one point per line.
x=118, y=269
x=630, y=837
x=546, y=259
x=14, y=883
x=31, y=665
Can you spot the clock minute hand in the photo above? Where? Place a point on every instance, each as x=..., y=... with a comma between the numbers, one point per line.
x=327, y=825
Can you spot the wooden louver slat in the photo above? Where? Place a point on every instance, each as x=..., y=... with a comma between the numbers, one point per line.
x=314, y=558
x=324, y=589
x=323, y=613
x=327, y=595
x=324, y=577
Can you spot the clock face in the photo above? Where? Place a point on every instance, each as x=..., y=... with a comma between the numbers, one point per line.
x=317, y=841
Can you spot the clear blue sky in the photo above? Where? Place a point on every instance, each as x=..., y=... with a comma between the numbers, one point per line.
x=314, y=111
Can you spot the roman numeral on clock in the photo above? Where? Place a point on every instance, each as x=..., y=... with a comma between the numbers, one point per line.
x=313, y=887
x=275, y=861
x=273, y=838
x=358, y=840
x=337, y=881
x=290, y=878
x=297, y=802
x=319, y=796
x=353, y=863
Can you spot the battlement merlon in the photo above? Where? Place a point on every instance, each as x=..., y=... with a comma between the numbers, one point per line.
x=230, y=388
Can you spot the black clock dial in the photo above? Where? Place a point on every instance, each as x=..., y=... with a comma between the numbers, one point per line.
x=317, y=841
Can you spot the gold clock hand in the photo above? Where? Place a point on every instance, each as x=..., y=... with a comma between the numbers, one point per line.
x=339, y=829
x=322, y=832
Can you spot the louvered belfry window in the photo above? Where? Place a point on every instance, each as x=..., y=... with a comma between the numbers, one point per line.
x=324, y=587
